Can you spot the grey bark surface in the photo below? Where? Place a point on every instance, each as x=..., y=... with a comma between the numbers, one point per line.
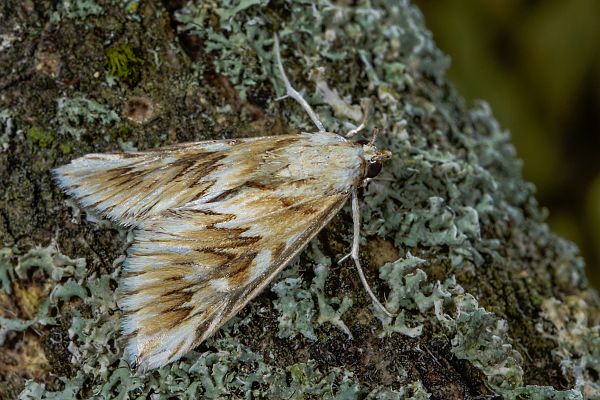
x=489, y=303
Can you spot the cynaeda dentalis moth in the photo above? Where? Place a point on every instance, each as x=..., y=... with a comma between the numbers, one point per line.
x=216, y=221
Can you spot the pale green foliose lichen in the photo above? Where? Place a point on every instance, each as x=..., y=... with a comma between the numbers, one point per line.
x=6, y=270
x=55, y=266
x=296, y=305
x=331, y=309
x=579, y=341
x=412, y=391
x=6, y=128
x=477, y=335
x=74, y=113
x=229, y=371
x=80, y=9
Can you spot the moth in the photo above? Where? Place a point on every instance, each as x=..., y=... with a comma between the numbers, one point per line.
x=216, y=221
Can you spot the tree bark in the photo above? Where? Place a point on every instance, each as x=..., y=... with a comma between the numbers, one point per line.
x=489, y=303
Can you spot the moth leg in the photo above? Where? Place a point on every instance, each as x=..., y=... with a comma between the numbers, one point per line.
x=341, y=260
x=354, y=253
x=293, y=93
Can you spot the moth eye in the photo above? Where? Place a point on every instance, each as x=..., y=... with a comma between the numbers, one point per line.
x=374, y=168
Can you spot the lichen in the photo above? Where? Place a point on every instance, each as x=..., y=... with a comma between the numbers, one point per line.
x=296, y=304
x=578, y=341
x=6, y=270
x=483, y=339
x=6, y=128
x=327, y=312
x=296, y=308
x=48, y=259
x=412, y=391
x=94, y=346
x=54, y=265
x=478, y=335
x=74, y=113
x=79, y=9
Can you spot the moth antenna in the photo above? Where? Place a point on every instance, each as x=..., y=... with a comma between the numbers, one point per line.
x=374, y=136
x=354, y=253
x=293, y=93
x=367, y=107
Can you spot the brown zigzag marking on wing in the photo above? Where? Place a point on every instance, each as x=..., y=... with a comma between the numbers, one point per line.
x=220, y=290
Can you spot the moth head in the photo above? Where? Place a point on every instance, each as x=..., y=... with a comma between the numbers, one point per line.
x=373, y=158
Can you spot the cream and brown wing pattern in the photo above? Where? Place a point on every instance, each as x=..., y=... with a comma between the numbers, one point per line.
x=192, y=270
x=216, y=222
x=130, y=187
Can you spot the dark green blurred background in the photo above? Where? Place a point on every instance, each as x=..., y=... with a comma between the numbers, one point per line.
x=538, y=64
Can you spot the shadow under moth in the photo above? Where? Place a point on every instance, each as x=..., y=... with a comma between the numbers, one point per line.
x=216, y=221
